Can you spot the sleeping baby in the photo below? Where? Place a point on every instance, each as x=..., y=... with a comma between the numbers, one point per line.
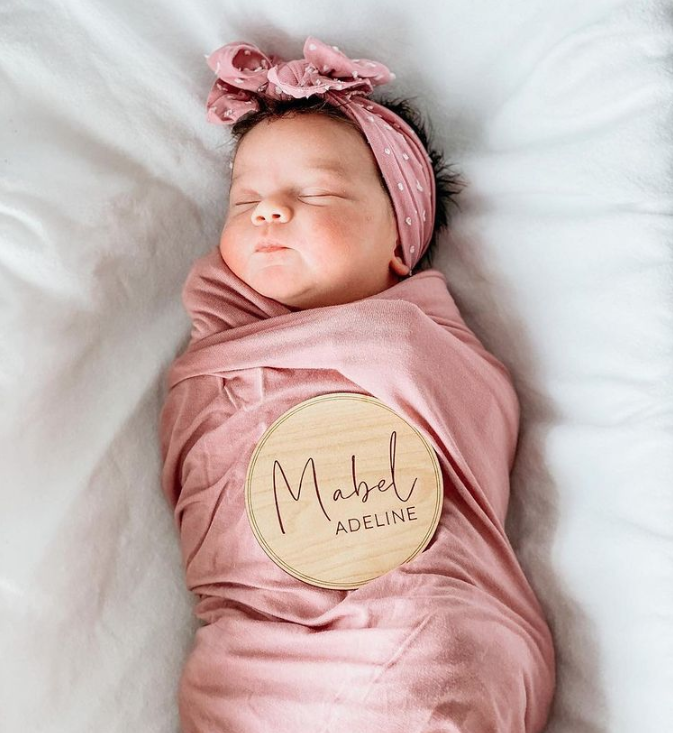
x=318, y=286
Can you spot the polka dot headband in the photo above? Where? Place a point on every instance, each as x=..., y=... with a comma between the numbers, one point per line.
x=244, y=73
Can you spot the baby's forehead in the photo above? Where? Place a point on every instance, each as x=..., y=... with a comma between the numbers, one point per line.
x=287, y=165
x=329, y=153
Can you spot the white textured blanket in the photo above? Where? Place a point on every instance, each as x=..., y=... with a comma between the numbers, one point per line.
x=557, y=113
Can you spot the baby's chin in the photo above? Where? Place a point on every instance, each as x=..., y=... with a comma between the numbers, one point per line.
x=278, y=282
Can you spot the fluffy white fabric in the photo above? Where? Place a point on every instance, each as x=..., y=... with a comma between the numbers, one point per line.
x=558, y=114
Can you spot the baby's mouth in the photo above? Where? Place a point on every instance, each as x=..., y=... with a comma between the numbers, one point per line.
x=266, y=246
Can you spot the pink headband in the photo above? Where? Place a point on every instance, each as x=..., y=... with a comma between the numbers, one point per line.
x=244, y=73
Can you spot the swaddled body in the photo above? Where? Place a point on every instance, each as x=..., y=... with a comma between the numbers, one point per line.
x=452, y=641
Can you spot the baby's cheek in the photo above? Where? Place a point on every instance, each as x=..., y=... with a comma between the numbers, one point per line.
x=337, y=228
x=228, y=249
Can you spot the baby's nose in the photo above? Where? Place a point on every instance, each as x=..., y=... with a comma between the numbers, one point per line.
x=270, y=211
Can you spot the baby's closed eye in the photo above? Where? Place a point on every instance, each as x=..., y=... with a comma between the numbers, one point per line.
x=301, y=196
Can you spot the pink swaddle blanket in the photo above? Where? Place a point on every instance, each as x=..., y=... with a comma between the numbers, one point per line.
x=454, y=640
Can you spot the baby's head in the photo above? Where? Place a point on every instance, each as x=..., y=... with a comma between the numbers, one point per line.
x=304, y=177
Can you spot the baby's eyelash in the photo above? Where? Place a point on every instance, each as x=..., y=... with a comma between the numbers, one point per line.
x=306, y=196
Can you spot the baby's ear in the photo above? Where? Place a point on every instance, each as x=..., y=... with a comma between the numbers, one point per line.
x=397, y=264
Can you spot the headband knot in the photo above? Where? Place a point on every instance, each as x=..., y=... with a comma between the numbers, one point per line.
x=244, y=74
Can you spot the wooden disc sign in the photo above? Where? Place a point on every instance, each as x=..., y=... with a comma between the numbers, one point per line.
x=341, y=489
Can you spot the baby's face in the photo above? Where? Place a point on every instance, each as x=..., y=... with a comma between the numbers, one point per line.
x=310, y=184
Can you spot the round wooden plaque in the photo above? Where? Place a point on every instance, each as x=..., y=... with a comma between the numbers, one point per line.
x=340, y=489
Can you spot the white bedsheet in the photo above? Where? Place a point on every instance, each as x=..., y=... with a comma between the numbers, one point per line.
x=558, y=114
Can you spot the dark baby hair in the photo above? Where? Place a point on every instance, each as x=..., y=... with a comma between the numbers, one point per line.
x=448, y=184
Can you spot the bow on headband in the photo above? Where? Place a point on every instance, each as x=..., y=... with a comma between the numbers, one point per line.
x=245, y=73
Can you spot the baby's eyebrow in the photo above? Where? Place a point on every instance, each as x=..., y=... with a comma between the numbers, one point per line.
x=326, y=166
x=331, y=167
